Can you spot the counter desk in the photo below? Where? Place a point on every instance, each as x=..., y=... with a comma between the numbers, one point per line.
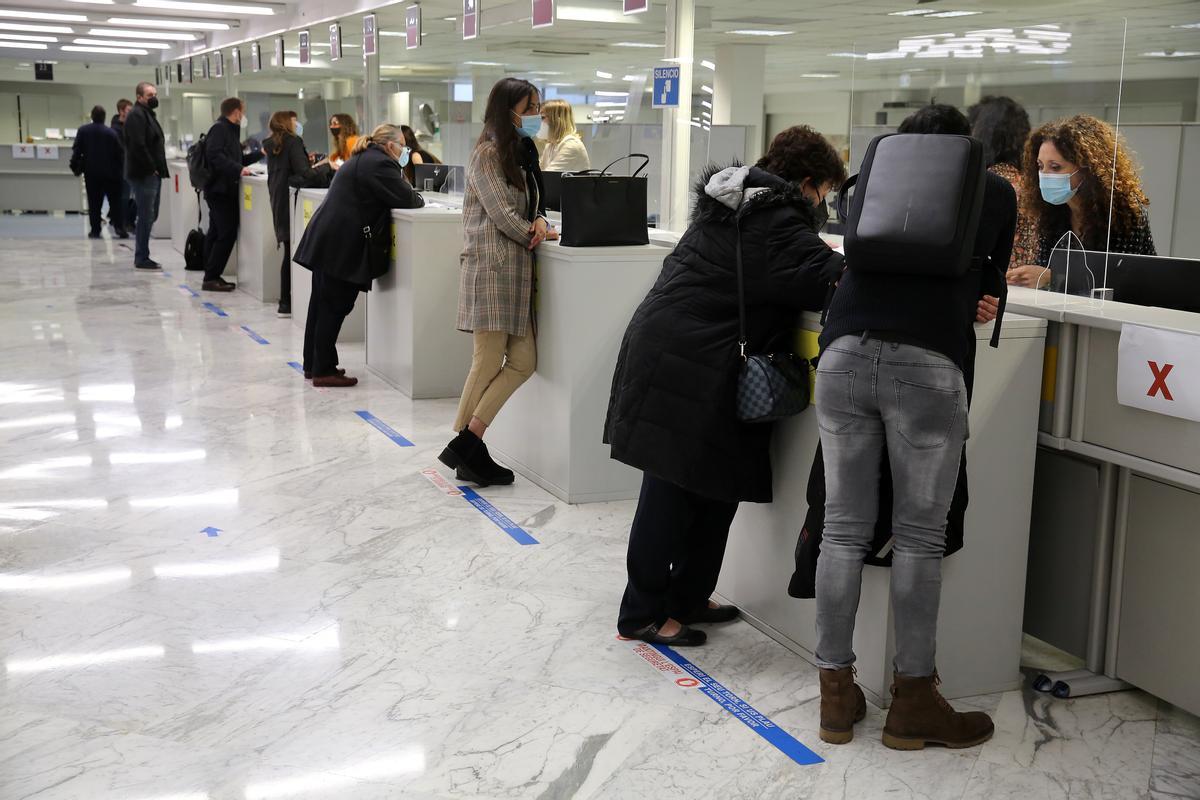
x=979, y=628
x=1112, y=571
x=44, y=183
x=186, y=210
x=552, y=429
x=304, y=205
x=411, y=339
x=259, y=255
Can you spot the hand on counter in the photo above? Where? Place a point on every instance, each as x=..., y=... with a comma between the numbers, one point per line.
x=552, y=235
x=537, y=232
x=989, y=309
x=1030, y=275
x=247, y=171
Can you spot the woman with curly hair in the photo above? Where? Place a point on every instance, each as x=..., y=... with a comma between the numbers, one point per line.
x=1068, y=182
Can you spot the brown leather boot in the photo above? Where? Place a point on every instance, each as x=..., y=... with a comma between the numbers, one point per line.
x=842, y=705
x=920, y=715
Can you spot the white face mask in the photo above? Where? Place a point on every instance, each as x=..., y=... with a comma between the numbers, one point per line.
x=544, y=131
x=299, y=128
x=244, y=123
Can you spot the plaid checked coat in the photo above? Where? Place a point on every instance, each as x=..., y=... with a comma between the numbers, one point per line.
x=495, y=290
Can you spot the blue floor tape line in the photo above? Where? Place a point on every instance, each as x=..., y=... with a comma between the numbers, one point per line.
x=755, y=721
x=254, y=335
x=216, y=309
x=189, y=290
x=382, y=427
x=497, y=517
x=296, y=365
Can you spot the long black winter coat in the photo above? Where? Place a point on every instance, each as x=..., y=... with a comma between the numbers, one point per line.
x=672, y=411
x=364, y=191
x=223, y=149
x=288, y=168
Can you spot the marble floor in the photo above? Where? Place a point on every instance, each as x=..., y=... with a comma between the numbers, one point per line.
x=217, y=582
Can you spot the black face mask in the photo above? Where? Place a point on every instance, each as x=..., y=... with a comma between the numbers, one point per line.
x=152, y=103
x=821, y=213
x=334, y=132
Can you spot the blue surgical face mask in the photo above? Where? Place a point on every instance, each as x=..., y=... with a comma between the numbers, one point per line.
x=405, y=157
x=299, y=128
x=529, y=125
x=1056, y=189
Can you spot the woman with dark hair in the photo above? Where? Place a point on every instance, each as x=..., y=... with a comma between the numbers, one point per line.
x=416, y=154
x=1073, y=169
x=344, y=131
x=672, y=409
x=1002, y=124
x=288, y=168
x=504, y=220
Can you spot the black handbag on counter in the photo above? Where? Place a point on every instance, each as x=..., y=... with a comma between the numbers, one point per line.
x=604, y=210
x=772, y=385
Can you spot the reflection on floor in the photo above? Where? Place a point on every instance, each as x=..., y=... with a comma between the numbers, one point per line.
x=218, y=582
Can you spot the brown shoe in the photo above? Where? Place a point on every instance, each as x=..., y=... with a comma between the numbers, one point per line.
x=308, y=374
x=335, y=380
x=920, y=715
x=842, y=705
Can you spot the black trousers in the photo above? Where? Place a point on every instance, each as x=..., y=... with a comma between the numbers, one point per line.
x=676, y=547
x=97, y=190
x=223, y=221
x=331, y=301
x=285, y=276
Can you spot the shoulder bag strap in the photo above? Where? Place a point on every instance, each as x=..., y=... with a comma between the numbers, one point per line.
x=199, y=208
x=741, y=287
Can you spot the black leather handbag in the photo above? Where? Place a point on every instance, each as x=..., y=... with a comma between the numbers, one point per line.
x=604, y=210
x=772, y=385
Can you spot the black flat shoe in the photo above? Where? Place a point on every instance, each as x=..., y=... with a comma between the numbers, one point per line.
x=687, y=637
x=709, y=615
x=467, y=455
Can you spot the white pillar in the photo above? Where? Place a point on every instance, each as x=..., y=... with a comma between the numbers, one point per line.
x=677, y=125
x=738, y=92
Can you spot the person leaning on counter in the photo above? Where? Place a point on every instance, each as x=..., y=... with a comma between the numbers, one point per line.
x=672, y=409
x=1069, y=179
x=347, y=244
x=504, y=219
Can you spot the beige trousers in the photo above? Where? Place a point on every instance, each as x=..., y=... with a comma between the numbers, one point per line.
x=500, y=364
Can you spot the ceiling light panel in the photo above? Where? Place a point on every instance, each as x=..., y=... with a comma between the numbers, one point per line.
x=173, y=24
x=119, y=43
x=167, y=36
x=8, y=13
x=16, y=26
x=208, y=8
x=27, y=37
x=23, y=45
x=116, y=51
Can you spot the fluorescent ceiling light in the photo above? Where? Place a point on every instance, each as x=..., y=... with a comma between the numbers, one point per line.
x=13, y=26
x=119, y=43
x=484, y=63
x=115, y=51
x=215, y=8
x=752, y=32
x=951, y=14
x=706, y=89
x=543, y=72
x=847, y=55
x=706, y=104
x=637, y=44
x=1172, y=54
x=819, y=75
x=28, y=37
x=173, y=24
x=611, y=94
x=708, y=65
x=1188, y=25
x=445, y=19
x=1050, y=62
x=170, y=36
x=586, y=14
x=14, y=14
x=94, y=2
x=610, y=103
x=605, y=75
x=914, y=12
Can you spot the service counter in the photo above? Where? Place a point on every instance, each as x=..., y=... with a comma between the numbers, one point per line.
x=979, y=629
x=411, y=339
x=41, y=180
x=186, y=210
x=1112, y=571
x=304, y=205
x=259, y=255
x=164, y=225
x=551, y=431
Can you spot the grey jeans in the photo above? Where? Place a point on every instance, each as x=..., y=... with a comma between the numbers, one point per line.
x=870, y=392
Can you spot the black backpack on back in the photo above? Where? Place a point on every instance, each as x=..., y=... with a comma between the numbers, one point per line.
x=199, y=173
x=193, y=246
x=915, y=209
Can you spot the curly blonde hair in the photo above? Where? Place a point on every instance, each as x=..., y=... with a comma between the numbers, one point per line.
x=1088, y=143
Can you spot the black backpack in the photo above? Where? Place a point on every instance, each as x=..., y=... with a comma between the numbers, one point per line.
x=193, y=246
x=199, y=172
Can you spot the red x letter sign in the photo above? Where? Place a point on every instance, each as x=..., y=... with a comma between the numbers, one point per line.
x=1160, y=379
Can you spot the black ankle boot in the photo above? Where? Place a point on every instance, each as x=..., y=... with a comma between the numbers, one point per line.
x=467, y=455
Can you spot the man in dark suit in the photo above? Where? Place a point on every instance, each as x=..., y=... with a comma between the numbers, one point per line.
x=99, y=157
x=226, y=163
x=145, y=167
x=128, y=208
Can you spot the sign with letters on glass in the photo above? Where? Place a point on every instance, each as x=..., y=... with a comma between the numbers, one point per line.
x=237, y=61
x=370, y=42
x=543, y=13
x=335, y=42
x=666, y=87
x=636, y=6
x=205, y=67
x=412, y=27
x=218, y=64
x=255, y=57
x=305, y=48
x=280, y=46
x=470, y=19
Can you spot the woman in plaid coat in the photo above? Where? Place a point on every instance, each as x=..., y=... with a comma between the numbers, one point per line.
x=504, y=220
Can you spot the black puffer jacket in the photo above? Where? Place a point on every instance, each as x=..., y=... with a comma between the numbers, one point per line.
x=288, y=168
x=672, y=407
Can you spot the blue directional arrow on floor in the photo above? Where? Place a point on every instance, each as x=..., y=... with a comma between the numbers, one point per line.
x=211, y=532
x=381, y=426
x=216, y=309
x=189, y=290
x=256, y=337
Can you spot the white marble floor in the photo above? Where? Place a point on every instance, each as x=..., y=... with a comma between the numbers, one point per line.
x=353, y=632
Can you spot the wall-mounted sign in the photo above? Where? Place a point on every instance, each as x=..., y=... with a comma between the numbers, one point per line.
x=470, y=19
x=543, y=13
x=237, y=61
x=255, y=57
x=636, y=6
x=43, y=72
x=370, y=42
x=205, y=67
x=335, y=42
x=191, y=70
x=412, y=27
x=305, y=48
x=164, y=73
x=158, y=76
x=179, y=72
x=218, y=64
x=666, y=87
x=48, y=152
x=280, y=46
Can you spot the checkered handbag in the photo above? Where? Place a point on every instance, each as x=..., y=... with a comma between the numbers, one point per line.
x=770, y=386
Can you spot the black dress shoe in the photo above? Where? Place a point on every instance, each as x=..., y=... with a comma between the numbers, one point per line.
x=217, y=286
x=122, y=234
x=148, y=265
x=711, y=615
x=93, y=236
x=687, y=637
x=467, y=455
x=308, y=376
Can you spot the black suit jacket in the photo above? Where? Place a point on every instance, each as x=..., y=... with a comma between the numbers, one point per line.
x=223, y=148
x=99, y=148
x=145, y=146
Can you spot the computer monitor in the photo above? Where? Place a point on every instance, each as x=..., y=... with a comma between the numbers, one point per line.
x=1157, y=281
x=552, y=183
x=443, y=178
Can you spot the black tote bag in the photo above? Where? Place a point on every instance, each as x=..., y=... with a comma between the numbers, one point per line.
x=604, y=210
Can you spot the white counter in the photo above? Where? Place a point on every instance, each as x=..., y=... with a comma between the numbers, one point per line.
x=163, y=226
x=355, y=327
x=411, y=339
x=551, y=431
x=259, y=255
x=979, y=628
x=188, y=211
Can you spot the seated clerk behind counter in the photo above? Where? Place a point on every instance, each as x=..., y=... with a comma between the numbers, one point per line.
x=1069, y=172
